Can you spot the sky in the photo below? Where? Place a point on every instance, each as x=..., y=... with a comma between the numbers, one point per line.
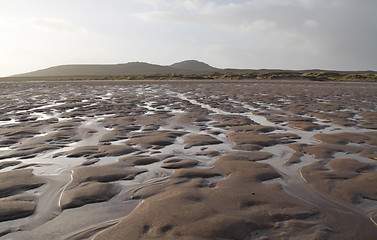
x=254, y=34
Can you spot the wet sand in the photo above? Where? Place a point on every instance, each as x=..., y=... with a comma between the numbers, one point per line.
x=188, y=160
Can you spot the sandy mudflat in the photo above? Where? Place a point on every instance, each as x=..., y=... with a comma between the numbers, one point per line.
x=188, y=160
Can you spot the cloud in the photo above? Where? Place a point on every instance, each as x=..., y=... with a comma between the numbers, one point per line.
x=310, y=23
x=53, y=24
x=259, y=25
x=330, y=33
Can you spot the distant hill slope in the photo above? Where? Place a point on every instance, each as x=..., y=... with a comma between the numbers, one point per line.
x=132, y=68
x=193, y=65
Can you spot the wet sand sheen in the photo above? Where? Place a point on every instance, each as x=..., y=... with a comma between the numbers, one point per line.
x=207, y=160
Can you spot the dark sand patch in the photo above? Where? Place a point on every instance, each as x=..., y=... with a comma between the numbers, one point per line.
x=4, y=164
x=19, y=132
x=210, y=153
x=90, y=162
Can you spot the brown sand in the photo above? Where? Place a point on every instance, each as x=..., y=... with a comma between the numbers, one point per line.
x=181, y=160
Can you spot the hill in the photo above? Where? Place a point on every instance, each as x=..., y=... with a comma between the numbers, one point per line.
x=132, y=68
x=190, y=69
x=194, y=66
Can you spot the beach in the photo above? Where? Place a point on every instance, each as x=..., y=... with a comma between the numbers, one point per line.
x=188, y=160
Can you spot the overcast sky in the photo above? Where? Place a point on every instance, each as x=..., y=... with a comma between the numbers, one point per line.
x=288, y=34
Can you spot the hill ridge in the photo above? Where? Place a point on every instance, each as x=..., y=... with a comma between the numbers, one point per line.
x=130, y=68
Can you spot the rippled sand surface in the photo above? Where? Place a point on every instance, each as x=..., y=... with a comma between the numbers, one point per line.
x=188, y=160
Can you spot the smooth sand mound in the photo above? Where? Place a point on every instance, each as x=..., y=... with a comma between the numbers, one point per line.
x=102, y=174
x=344, y=138
x=87, y=192
x=90, y=184
x=251, y=141
x=15, y=181
x=284, y=138
x=348, y=165
x=231, y=121
x=137, y=160
x=100, y=151
x=231, y=209
x=210, y=153
x=84, y=151
x=200, y=140
x=159, y=138
x=323, y=151
x=243, y=138
x=347, y=179
x=246, y=156
x=306, y=126
x=176, y=163
x=115, y=150
x=194, y=173
x=297, y=146
x=295, y=158
x=252, y=171
x=254, y=128
x=17, y=206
